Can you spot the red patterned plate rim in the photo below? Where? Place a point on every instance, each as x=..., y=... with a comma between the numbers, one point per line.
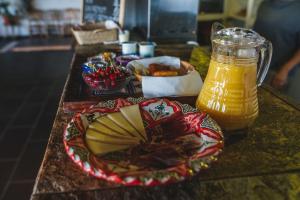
x=209, y=133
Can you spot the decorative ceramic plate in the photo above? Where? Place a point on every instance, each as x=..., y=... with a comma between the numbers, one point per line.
x=181, y=142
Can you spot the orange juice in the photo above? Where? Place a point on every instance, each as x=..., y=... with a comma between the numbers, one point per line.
x=229, y=92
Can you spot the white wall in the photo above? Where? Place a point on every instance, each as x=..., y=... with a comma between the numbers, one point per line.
x=56, y=4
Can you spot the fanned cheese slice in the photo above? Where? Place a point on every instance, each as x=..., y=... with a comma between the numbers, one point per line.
x=112, y=125
x=133, y=115
x=104, y=129
x=98, y=136
x=99, y=148
x=119, y=119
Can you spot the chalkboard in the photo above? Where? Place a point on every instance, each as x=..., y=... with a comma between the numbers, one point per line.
x=100, y=10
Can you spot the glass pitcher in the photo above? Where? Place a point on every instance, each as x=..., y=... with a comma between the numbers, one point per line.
x=229, y=92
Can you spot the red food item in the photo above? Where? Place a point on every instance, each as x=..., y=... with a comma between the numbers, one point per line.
x=94, y=75
x=106, y=77
x=88, y=78
x=100, y=72
x=112, y=76
x=113, y=83
x=108, y=69
x=107, y=82
x=93, y=83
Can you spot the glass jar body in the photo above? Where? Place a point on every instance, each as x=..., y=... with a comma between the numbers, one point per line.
x=229, y=92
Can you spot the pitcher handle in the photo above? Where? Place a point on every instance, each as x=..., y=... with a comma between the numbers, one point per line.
x=266, y=52
x=216, y=26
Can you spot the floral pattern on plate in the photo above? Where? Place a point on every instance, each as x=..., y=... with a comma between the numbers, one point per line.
x=158, y=110
x=181, y=141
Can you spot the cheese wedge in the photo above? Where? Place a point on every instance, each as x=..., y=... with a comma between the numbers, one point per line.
x=112, y=125
x=98, y=136
x=119, y=119
x=133, y=116
x=99, y=148
x=104, y=129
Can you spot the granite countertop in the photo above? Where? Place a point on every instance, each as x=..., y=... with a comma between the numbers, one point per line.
x=262, y=162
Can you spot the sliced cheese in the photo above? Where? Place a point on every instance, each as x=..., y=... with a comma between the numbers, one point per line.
x=104, y=129
x=98, y=136
x=112, y=125
x=119, y=119
x=133, y=116
x=99, y=148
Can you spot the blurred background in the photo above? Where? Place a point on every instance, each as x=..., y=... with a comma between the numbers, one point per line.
x=27, y=18
x=36, y=47
x=163, y=21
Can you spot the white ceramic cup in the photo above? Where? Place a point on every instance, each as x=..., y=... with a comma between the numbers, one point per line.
x=146, y=49
x=129, y=48
x=124, y=36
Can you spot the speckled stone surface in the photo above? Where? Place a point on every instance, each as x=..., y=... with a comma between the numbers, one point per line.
x=262, y=162
x=276, y=187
